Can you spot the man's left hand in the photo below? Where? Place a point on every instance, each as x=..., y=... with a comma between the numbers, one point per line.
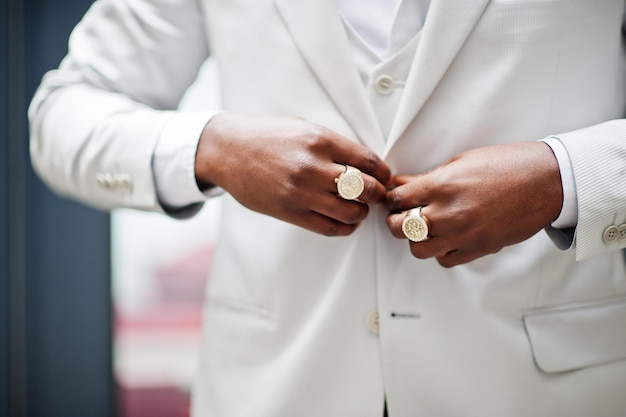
x=480, y=201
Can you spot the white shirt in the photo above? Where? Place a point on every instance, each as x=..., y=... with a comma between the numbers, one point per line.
x=395, y=23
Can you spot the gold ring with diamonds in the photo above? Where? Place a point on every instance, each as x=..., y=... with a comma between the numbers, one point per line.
x=350, y=183
x=415, y=225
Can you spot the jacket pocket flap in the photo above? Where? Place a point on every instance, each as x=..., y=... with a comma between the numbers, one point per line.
x=570, y=337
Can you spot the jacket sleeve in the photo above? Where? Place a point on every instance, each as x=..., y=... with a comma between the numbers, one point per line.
x=598, y=156
x=96, y=119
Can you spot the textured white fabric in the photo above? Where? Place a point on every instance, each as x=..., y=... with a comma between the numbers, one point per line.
x=372, y=19
x=286, y=315
x=171, y=45
x=598, y=196
x=396, y=68
x=174, y=162
x=385, y=25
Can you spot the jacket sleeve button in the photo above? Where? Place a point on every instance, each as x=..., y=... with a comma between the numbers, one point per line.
x=124, y=183
x=104, y=180
x=610, y=234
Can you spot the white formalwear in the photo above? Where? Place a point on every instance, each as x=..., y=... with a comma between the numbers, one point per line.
x=298, y=324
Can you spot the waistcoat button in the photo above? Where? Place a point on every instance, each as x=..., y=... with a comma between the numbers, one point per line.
x=384, y=84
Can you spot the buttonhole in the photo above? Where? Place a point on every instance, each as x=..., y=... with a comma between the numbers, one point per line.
x=406, y=315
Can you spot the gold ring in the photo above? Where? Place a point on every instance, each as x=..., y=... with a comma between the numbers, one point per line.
x=415, y=225
x=350, y=183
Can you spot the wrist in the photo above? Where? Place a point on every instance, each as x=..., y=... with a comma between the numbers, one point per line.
x=208, y=162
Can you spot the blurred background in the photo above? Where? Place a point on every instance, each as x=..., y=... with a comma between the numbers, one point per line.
x=99, y=312
x=159, y=270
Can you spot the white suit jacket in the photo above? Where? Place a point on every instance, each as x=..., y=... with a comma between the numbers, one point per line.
x=290, y=317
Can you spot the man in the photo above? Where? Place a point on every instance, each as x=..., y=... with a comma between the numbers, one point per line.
x=454, y=96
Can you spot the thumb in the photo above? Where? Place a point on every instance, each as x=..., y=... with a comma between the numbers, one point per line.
x=409, y=192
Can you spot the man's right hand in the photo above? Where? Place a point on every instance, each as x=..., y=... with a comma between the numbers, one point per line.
x=286, y=167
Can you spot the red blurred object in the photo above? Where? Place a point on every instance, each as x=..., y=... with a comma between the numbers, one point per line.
x=175, y=314
x=153, y=402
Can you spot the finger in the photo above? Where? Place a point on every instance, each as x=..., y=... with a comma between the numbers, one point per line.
x=332, y=205
x=456, y=257
x=325, y=225
x=436, y=223
x=429, y=248
x=432, y=247
x=373, y=191
x=369, y=163
x=466, y=254
x=408, y=195
x=402, y=179
x=451, y=259
x=347, y=152
x=394, y=223
x=344, y=211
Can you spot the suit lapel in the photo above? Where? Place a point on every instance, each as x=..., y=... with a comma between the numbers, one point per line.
x=447, y=26
x=320, y=36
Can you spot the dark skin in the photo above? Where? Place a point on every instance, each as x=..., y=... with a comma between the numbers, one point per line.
x=477, y=203
x=285, y=167
x=480, y=201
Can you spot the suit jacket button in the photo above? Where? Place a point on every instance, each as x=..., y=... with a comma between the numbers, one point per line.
x=610, y=234
x=621, y=231
x=372, y=321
